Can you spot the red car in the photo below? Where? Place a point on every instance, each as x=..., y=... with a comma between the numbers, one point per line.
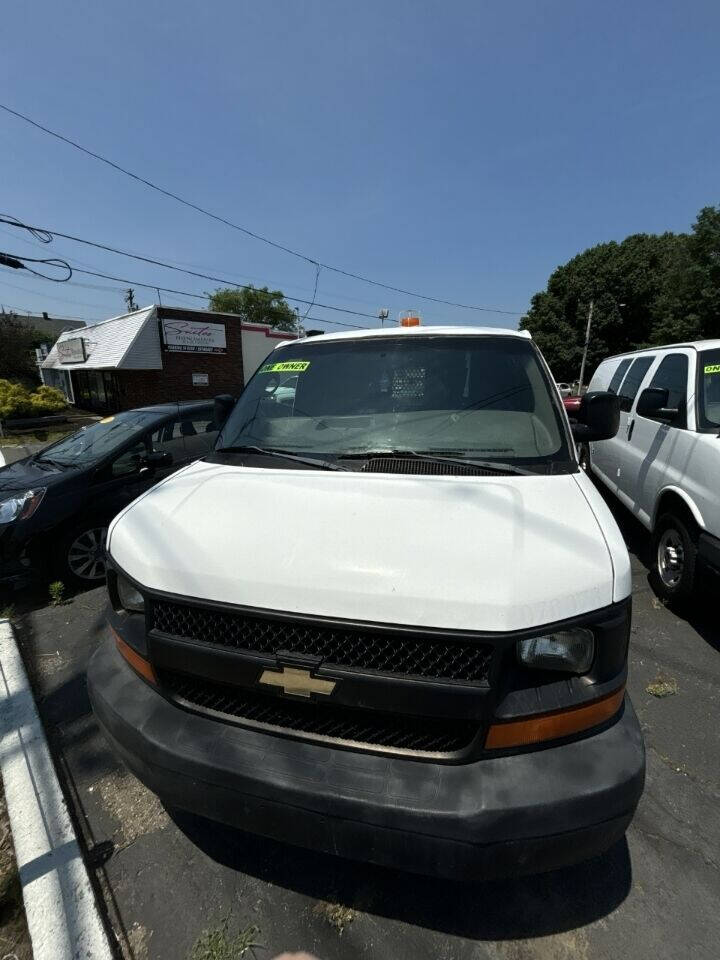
x=572, y=405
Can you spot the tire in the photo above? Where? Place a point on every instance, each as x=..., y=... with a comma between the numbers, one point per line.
x=674, y=557
x=81, y=557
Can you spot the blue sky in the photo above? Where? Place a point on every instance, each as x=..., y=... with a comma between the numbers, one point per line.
x=459, y=149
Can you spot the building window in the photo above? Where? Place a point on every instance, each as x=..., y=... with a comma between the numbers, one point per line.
x=97, y=390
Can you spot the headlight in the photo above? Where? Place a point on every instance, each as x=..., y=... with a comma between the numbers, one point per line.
x=21, y=506
x=571, y=651
x=130, y=597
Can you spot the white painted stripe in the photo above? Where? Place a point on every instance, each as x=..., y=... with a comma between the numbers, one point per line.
x=60, y=906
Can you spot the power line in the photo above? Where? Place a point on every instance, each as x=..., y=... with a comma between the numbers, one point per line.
x=20, y=262
x=198, y=296
x=249, y=233
x=312, y=302
x=95, y=286
x=77, y=303
x=169, y=266
x=179, y=293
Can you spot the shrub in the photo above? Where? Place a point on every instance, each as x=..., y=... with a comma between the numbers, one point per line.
x=18, y=401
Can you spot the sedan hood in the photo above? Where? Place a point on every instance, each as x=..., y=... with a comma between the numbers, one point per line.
x=472, y=553
x=28, y=473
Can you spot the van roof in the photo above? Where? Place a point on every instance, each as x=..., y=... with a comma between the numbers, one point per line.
x=690, y=345
x=420, y=331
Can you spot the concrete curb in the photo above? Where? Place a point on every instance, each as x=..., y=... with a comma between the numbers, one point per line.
x=60, y=907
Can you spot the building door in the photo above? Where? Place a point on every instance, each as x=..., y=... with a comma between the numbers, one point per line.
x=112, y=393
x=97, y=390
x=81, y=389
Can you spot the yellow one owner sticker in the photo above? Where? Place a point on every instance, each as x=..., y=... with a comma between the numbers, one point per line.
x=287, y=366
x=713, y=368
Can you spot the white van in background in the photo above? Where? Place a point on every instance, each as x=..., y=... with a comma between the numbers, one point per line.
x=664, y=462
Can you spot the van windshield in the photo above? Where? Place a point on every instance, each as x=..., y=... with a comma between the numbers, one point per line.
x=477, y=396
x=709, y=390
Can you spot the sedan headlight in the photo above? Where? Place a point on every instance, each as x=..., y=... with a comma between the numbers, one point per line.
x=20, y=506
x=129, y=596
x=571, y=651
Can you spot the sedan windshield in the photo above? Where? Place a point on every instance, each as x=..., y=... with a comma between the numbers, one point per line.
x=709, y=390
x=91, y=444
x=468, y=396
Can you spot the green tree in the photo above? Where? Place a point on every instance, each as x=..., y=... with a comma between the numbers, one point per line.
x=255, y=305
x=649, y=289
x=17, y=350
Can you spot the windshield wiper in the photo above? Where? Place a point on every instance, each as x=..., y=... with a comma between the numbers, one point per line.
x=494, y=465
x=274, y=452
x=49, y=460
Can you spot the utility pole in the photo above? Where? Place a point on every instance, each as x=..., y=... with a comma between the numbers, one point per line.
x=585, y=348
x=130, y=300
x=383, y=315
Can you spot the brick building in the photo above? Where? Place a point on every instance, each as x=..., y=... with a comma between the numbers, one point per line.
x=155, y=355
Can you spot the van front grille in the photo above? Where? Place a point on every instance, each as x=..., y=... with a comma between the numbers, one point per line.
x=326, y=721
x=415, y=655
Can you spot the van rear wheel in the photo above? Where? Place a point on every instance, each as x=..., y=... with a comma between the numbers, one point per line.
x=674, y=558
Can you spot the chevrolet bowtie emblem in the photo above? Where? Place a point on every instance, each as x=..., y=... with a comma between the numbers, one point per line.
x=296, y=681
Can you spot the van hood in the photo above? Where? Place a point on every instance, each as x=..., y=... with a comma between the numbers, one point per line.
x=468, y=553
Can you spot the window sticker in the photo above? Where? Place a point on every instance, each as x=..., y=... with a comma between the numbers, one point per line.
x=712, y=368
x=287, y=366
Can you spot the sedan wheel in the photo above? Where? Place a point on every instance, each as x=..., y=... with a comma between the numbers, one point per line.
x=86, y=554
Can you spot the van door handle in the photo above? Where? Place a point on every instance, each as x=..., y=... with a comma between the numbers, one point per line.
x=630, y=428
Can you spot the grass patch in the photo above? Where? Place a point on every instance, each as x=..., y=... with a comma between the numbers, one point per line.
x=8, y=612
x=335, y=914
x=218, y=944
x=57, y=593
x=662, y=687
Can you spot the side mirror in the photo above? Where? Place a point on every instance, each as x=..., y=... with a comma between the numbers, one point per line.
x=155, y=459
x=598, y=417
x=223, y=405
x=652, y=404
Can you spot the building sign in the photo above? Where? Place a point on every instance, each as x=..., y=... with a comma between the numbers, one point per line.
x=72, y=350
x=201, y=380
x=188, y=336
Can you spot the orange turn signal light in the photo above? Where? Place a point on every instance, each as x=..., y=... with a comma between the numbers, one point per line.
x=139, y=664
x=552, y=726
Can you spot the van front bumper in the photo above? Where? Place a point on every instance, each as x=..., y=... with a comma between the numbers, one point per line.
x=498, y=816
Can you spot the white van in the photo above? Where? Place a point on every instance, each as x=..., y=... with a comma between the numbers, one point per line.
x=664, y=462
x=388, y=617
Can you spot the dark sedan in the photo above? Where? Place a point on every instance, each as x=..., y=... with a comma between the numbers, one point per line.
x=55, y=506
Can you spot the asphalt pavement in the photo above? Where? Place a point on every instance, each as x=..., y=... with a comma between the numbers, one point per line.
x=166, y=878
